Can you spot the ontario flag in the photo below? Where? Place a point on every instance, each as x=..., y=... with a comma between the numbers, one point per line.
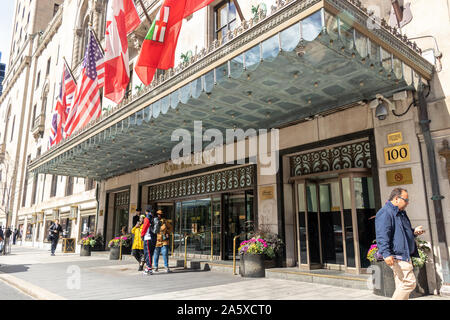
x=122, y=19
x=158, y=49
x=66, y=93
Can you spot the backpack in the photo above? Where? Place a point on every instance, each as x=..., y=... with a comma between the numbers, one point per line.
x=156, y=226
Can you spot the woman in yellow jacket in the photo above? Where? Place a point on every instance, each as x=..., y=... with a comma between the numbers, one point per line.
x=138, y=244
x=162, y=241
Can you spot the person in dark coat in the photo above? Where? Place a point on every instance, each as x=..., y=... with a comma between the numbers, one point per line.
x=55, y=231
x=15, y=235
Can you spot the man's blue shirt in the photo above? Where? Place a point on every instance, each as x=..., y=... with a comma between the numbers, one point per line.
x=395, y=236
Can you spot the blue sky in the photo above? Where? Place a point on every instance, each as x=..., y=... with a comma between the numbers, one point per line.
x=6, y=21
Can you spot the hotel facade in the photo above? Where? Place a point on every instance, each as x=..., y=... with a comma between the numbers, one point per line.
x=336, y=106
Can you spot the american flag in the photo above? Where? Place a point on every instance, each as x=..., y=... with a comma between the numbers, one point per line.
x=87, y=102
x=66, y=93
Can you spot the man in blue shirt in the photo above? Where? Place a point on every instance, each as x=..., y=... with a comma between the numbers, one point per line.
x=396, y=243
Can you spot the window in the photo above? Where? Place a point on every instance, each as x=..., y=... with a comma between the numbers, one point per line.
x=34, y=115
x=38, y=79
x=66, y=226
x=48, y=224
x=224, y=19
x=54, y=186
x=33, y=194
x=55, y=8
x=12, y=129
x=48, y=66
x=25, y=185
x=69, y=186
x=87, y=226
x=89, y=184
x=29, y=234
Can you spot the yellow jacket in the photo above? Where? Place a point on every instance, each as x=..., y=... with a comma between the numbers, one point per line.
x=138, y=244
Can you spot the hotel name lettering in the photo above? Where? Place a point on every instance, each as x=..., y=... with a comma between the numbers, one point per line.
x=171, y=168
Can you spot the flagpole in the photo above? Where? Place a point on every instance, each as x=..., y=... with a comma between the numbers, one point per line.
x=145, y=12
x=68, y=68
x=238, y=9
x=398, y=12
x=96, y=38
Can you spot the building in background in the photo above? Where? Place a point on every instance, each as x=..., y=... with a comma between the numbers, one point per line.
x=2, y=74
x=349, y=95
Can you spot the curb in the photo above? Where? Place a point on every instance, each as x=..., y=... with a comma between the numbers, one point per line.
x=29, y=289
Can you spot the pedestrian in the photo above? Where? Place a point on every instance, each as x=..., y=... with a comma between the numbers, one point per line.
x=137, y=216
x=137, y=249
x=396, y=242
x=162, y=241
x=2, y=237
x=149, y=231
x=7, y=240
x=15, y=235
x=54, y=234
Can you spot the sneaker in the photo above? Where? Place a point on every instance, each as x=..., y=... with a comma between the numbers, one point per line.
x=168, y=270
x=156, y=269
x=52, y=254
x=148, y=271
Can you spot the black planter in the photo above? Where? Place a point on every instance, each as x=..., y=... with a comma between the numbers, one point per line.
x=386, y=286
x=252, y=266
x=114, y=253
x=85, y=251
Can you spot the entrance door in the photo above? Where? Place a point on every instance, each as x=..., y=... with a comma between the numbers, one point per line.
x=334, y=221
x=237, y=220
x=121, y=213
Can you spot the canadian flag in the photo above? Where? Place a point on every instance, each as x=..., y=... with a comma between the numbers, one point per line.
x=122, y=19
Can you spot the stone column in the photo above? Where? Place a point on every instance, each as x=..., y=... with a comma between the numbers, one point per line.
x=78, y=34
x=97, y=16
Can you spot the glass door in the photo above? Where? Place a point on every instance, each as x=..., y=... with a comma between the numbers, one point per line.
x=335, y=221
x=238, y=219
x=331, y=224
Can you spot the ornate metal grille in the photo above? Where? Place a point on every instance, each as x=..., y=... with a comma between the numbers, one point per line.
x=355, y=155
x=122, y=198
x=228, y=180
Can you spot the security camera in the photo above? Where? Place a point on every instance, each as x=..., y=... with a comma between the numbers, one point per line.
x=381, y=111
x=381, y=106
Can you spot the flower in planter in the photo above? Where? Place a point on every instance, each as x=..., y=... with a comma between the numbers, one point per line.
x=422, y=248
x=114, y=243
x=256, y=246
x=88, y=241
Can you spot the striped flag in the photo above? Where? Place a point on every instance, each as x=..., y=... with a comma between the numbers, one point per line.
x=87, y=101
x=122, y=19
x=66, y=93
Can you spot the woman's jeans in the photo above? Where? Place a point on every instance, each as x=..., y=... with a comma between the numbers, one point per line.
x=165, y=253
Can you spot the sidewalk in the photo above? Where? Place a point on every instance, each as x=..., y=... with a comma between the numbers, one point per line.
x=69, y=276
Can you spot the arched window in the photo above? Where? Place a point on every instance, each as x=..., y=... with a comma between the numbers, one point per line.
x=84, y=37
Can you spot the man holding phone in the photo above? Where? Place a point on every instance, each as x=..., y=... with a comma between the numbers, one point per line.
x=396, y=241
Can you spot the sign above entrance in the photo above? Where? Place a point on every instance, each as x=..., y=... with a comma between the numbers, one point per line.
x=399, y=177
x=395, y=137
x=397, y=154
